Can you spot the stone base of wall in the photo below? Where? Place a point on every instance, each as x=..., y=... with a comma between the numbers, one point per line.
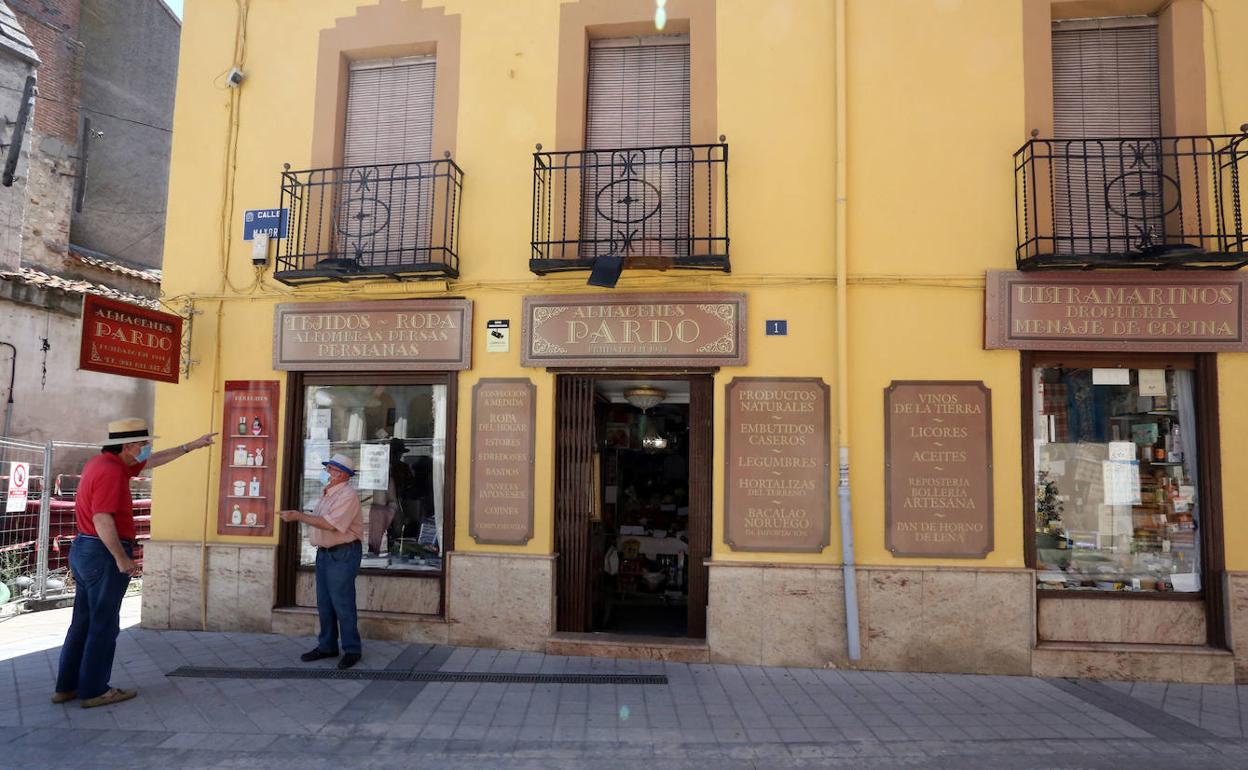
x=240, y=586
x=391, y=626
x=1120, y=621
x=1133, y=662
x=910, y=619
x=500, y=600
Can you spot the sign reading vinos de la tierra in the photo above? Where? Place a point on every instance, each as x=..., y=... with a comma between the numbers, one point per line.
x=384, y=335
x=938, y=468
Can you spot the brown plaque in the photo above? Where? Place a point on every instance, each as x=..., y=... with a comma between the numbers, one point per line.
x=388, y=335
x=1144, y=312
x=938, y=468
x=500, y=511
x=777, y=465
x=633, y=329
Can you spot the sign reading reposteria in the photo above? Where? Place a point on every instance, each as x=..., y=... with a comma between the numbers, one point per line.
x=125, y=339
x=396, y=335
x=778, y=464
x=938, y=469
x=1121, y=312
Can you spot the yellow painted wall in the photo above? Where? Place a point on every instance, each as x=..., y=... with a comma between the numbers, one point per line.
x=935, y=113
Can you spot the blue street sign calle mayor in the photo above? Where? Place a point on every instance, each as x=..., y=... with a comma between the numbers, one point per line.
x=270, y=222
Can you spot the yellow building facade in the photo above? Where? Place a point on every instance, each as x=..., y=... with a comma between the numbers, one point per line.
x=877, y=207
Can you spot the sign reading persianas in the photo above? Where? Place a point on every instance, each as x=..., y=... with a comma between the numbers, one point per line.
x=125, y=339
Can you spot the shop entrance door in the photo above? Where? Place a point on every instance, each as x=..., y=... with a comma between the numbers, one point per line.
x=632, y=502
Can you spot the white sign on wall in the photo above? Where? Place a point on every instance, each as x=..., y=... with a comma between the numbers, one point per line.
x=19, y=482
x=374, y=471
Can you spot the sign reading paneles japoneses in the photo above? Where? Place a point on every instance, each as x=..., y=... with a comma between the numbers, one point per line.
x=120, y=338
x=385, y=335
x=501, y=506
x=778, y=465
x=1123, y=312
x=631, y=329
x=938, y=469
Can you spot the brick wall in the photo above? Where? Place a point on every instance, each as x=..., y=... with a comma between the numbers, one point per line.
x=52, y=26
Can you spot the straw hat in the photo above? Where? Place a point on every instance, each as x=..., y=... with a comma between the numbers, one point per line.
x=342, y=463
x=127, y=430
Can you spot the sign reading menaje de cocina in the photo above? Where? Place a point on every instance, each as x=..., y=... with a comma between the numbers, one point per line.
x=500, y=508
x=634, y=329
x=384, y=335
x=1122, y=312
x=778, y=465
x=938, y=469
x=125, y=339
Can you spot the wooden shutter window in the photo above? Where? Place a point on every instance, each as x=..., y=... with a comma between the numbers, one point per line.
x=389, y=112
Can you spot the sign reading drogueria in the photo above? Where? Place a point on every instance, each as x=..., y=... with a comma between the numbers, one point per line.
x=384, y=335
x=628, y=329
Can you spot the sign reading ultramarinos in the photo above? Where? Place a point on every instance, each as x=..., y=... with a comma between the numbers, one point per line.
x=634, y=329
x=385, y=335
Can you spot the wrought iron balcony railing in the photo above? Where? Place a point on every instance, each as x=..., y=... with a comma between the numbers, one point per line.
x=1160, y=202
x=396, y=220
x=656, y=207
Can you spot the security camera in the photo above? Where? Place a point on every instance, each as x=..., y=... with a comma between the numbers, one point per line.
x=234, y=77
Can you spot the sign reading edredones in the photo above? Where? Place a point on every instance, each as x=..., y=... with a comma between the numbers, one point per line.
x=625, y=329
x=1121, y=312
x=125, y=339
x=384, y=335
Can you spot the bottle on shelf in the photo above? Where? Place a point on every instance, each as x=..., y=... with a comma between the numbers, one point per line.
x=253, y=489
x=242, y=426
x=259, y=455
x=240, y=488
x=256, y=428
x=240, y=454
x=1174, y=445
x=236, y=516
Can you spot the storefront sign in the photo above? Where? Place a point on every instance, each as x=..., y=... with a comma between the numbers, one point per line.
x=628, y=329
x=500, y=510
x=1119, y=312
x=125, y=339
x=938, y=469
x=778, y=464
x=399, y=335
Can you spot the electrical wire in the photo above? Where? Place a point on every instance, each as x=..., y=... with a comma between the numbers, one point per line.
x=79, y=106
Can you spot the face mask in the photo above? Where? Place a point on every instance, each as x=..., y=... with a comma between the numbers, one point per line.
x=145, y=453
x=324, y=478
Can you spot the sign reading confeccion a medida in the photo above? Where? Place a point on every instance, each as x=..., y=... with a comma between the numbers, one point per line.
x=399, y=335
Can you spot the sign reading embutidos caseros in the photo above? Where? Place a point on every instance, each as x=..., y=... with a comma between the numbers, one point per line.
x=938, y=468
x=501, y=504
x=778, y=465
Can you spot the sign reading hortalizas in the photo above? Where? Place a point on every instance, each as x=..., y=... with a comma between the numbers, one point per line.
x=384, y=335
x=1145, y=311
x=634, y=329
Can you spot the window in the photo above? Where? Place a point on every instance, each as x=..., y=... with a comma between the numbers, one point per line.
x=1116, y=478
x=397, y=436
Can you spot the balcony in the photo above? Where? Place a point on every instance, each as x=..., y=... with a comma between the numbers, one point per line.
x=1153, y=203
x=656, y=207
x=396, y=220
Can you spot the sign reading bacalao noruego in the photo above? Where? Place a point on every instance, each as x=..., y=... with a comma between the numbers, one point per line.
x=1123, y=311
x=383, y=335
x=684, y=329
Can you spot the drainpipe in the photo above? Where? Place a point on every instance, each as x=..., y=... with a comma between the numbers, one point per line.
x=845, y=505
x=8, y=407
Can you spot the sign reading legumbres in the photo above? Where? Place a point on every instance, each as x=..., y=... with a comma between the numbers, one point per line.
x=631, y=329
x=938, y=469
x=501, y=508
x=398, y=335
x=1123, y=312
x=778, y=465
x=125, y=339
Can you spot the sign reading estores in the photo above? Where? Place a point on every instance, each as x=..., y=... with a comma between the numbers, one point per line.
x=119, y=338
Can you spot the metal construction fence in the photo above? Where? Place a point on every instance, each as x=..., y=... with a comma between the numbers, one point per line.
x=36, y=534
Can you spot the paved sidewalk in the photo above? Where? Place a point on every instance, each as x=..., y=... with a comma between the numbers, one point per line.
x=706, y=716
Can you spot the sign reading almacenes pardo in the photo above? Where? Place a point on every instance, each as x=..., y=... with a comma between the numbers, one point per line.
x=125, y=339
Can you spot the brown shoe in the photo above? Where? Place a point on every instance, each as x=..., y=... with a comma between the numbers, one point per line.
x=64, y=697
x=115, y=695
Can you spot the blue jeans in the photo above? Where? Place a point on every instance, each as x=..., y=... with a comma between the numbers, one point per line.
x=335, y=597
x=87, y=654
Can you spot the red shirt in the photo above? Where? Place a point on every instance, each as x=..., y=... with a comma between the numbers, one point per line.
x=105, y=488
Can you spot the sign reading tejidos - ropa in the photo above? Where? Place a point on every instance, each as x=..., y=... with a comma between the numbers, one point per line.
x=938, y=468
x=1123, y=312
x=120, y=338
x=500, y=510
x=385, y=335
x=778, y=465
x=684, y=329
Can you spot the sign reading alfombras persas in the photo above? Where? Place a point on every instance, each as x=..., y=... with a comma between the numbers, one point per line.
x=778, y=457
x=125, y=339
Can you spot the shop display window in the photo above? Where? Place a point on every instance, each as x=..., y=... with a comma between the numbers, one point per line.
x=1116, y=477
x=397, y=437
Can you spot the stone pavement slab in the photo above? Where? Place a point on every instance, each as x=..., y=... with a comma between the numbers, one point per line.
x=706, y=716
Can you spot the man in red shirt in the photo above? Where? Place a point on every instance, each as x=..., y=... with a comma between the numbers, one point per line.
x=101, y=559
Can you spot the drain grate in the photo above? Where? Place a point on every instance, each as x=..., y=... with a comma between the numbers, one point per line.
x=485, y=677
